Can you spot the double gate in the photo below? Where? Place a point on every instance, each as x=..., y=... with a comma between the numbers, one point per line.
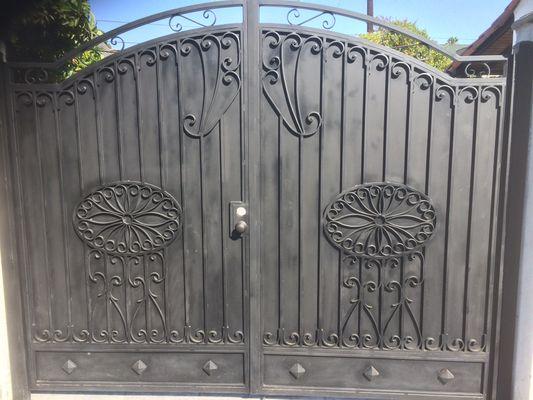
x=265, y=206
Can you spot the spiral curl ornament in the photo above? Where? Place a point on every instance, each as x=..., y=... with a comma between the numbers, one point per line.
x=479, y=71
x=118, y=43
x=36, y=75
x=328, y=22
x=127, y=218
x=208, y=15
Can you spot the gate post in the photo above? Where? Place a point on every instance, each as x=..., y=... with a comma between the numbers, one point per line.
x=515, y=369
x=253, y=92
x=10, y=267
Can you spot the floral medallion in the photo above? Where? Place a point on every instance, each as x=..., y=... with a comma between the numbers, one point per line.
x=127, y=218
x=379, y=220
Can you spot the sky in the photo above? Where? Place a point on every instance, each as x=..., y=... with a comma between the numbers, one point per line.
x=464, y=19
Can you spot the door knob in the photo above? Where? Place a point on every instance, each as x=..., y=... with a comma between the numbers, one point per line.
x=241, y=227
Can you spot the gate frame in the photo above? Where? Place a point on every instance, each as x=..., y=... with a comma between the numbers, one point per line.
x=11, y=250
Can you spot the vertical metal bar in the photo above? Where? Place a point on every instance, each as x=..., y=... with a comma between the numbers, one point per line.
x=202, y=229
x=120, y=139
x=447, y=222
x=426, y=191
x=300, y=297
x=182, y=197
x=162, y=177
x=253, y=93
x=38, y=133
x=100, y=156
x=280, y=124
x=222, y=230
x=319, y=205
x=244, y=187
x=82, y=188
x=137, y=77
x=386, y=117
x=470, y=205
x=341, y=185
x=98, y=122
x=146, y=297
x=410, y=91
x=64, y=213
x=366, y=72
x=495, y=214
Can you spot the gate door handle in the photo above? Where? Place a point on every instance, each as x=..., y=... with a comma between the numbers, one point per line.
x=241, y=227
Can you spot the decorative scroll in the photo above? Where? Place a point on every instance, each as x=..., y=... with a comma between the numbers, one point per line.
x=217, y=61
x=127, y=218
x=127, y=303
x=379, y=220
x=383, y=299
x=477, y=70
x=399, y=293
x=283, y=85
x=366, y=304
x=208, y=15
x=327, y=18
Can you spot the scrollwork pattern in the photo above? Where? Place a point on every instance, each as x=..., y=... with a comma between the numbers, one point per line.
x=208, y=15
x=127, y=218
x=127, y=304
x=220, y=62
x=327, y=18
x=477, y=70
x=379, y=220
x=283, y=94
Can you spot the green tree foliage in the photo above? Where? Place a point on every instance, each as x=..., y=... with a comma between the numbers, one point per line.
x=410, y=46
x=45, y=30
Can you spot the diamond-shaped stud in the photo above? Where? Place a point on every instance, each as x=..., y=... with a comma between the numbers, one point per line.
x=69, y=366
x=445, y=376
x=210, y=367
x=370, y=373
x=139, y=367
x=297, y=371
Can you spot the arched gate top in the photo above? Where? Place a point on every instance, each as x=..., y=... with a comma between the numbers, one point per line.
x=204, y=16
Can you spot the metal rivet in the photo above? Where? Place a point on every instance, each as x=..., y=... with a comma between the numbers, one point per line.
x=445, y=376
x=210, y=367
x=69, y=366
x=297, y=371
x=370, y=373
x=139, y=367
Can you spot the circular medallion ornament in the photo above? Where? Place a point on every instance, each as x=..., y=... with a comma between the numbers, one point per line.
x=127, y=218
x=379, y=220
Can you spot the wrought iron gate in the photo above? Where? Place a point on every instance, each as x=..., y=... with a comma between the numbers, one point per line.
x=259, y=206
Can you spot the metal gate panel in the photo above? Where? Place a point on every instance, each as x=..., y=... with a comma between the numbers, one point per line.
x=126, y=173
x=259, y=207
x=343, y=122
